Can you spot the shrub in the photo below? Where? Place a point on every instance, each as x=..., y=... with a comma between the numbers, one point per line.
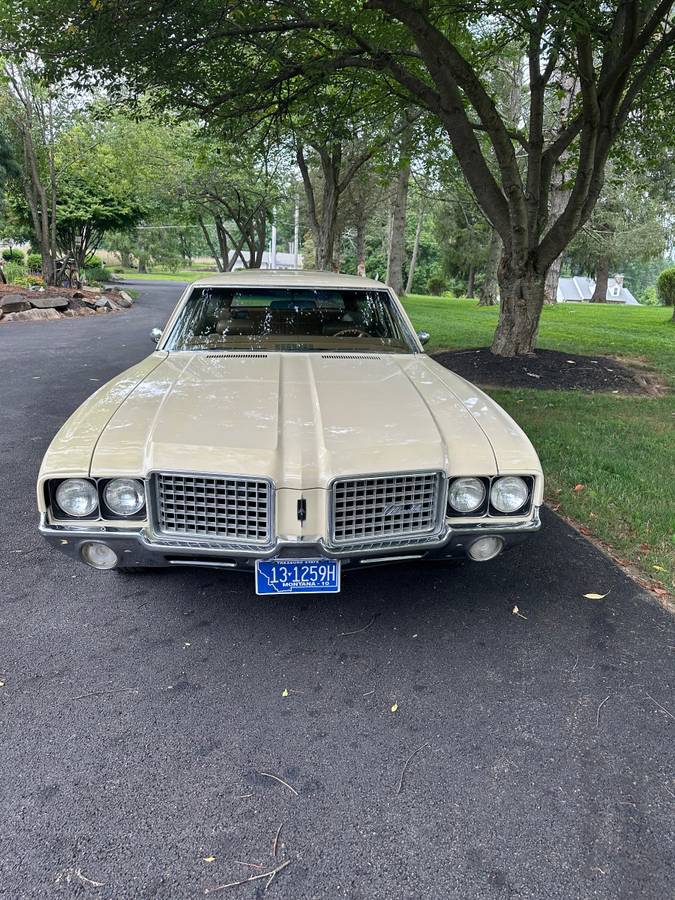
x=34, y=279
x=13, y=254
x=15, y=274
x=96, y=270
x=436, y=285
x=34, y=262
x=665, y=288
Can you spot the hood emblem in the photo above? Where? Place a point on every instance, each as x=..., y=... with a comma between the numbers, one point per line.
x=398, y=509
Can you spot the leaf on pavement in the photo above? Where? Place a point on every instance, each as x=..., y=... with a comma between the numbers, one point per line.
x=394, y=707
x=596, y=596
x=209, y=859
x=517, y=612
x=284, y=693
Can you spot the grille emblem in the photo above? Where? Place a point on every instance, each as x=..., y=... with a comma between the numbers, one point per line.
x=398, y=509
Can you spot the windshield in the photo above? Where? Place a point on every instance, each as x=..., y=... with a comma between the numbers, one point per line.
x=290, y=319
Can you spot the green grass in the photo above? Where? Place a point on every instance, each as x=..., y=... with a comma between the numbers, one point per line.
x=160, y=275
x=620, y=448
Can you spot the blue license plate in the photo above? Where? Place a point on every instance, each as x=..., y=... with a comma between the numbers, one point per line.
x=297, y=576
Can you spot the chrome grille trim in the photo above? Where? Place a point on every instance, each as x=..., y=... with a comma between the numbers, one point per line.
x=392, y=509
x=227, y=509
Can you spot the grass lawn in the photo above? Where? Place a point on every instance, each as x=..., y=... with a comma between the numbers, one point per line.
x=621, y=448
x=187, y=275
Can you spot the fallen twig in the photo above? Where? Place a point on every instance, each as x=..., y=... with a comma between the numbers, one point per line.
x=275, y=843
x=358, y=630
x=269, y=875
x=405, y=766
x=104, y=693
x=666, y=711
x=597, y=715
x=281, y=781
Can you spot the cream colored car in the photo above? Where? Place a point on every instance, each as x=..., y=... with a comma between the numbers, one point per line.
x=288, y=424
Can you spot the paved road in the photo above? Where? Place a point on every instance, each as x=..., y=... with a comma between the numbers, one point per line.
x=138, y=713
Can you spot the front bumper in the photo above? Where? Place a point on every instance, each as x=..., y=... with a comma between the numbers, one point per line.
x=138, y=547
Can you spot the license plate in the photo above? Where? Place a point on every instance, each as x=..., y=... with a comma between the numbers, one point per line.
x=297, y=576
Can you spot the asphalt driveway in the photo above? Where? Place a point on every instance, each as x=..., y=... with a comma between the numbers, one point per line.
x=138, y=714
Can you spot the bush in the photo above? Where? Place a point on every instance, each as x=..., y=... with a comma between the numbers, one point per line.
x=34, y=262
x=13, y=254
x=665, y=288
x=95, y=270
x=15, y=274
x=436, y=285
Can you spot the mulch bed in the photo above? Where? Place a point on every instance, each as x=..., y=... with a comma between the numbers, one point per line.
x=548, y=370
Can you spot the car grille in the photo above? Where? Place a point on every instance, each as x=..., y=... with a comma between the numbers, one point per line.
x=228, y=508
x=381, y=509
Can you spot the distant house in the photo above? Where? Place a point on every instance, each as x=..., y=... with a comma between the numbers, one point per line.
x=281, y=260
x=580, y=289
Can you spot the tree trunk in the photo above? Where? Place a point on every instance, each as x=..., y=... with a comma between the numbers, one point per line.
x=416, y=245
x=361, y=248
x=488, y=290
x=552, y=281
x=521, y=300
x=397, y=233
x=601, y=279
x=470, y=282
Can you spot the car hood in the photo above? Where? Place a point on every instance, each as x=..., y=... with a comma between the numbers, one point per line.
x=304, y=418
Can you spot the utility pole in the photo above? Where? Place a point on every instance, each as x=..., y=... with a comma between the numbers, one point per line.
x=273, y=242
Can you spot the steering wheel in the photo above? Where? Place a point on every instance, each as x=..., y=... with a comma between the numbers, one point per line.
x=351, y=332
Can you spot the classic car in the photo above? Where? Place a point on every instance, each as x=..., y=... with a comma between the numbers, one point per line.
x=288, y=424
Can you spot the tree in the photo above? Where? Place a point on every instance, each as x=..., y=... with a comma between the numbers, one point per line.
x=30, y=111
x=626, y=224
x=665, y=288
x=433, y=54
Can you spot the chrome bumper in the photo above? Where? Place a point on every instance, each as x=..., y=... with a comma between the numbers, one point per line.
x=138, y=547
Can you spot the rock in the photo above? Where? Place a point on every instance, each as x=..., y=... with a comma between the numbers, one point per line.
x=14, y=303
x=30, y=315
x=103, y=303
x=91, y=302
x=93, y=290
x=49, y=301
x=78, y=295
x=124, y=300
x=101, y=309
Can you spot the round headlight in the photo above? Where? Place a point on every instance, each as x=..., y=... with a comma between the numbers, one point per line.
x=77, y=497
x=508, y=494
x=466, y=494
x=124, y=496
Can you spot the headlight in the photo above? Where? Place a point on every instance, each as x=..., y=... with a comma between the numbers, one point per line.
x=466, y=494
x=76, y=497
x=124, y=496
x=509, y=494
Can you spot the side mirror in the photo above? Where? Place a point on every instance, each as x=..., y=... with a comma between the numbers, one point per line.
x=423, y=337
x=156, y=334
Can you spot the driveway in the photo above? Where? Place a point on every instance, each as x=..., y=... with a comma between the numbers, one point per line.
x=139, y=713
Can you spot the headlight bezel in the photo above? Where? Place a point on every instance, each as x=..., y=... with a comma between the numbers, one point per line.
x=63, y=513
x=109, y=512
x=487, y=510
x=481, y=509
x=519, y=510
x=101, y=511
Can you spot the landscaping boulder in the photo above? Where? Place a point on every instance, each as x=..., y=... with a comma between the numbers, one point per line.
x=49, y=301
x=124, y=300
x=104, y=303
x=31, y=315
x=13, y=303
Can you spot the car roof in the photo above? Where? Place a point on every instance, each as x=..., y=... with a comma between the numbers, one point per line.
x=292, y=278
